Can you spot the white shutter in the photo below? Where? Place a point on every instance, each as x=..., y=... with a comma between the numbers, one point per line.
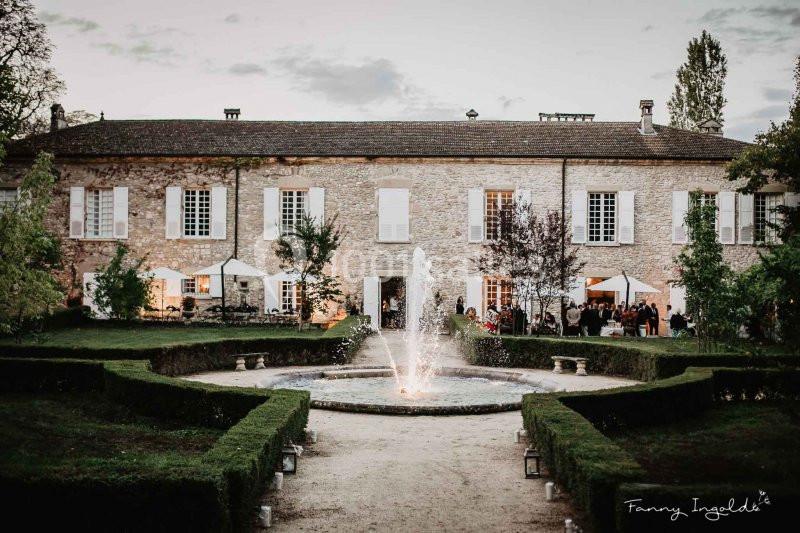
x=88, y=295
x=76, y=212
x=680, y=206
x=475, y=294
x=579, y=200
x=219, y=212
x=372, y=300
x=316, y=204
x=727, y=217
x=272, y=292
x=577, y=291
x=173, y=213
x=173, y=287
x=791, y=199
x=677, y=298
x=215, y=286
x=475, y=206
x=120, y=212
x=746, y=223
x=272, y=213
x=393, y=215
x=626, y=217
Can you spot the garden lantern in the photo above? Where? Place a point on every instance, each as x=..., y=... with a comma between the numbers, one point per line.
x=532, y=463
x=289, y=460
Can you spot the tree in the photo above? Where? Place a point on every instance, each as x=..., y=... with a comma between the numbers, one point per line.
x=40, y=122
x=27, y=82
x=698, y=93
x=506, y=255
x=775, y=158
x=548, y=267
x=306, y=252
x=528, y=252
x=119, y=289
x=29, y=254
x=782, y=269
x=707, y=278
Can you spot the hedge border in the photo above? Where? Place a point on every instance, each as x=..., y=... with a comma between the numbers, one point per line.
x=592, y=466
x=481, y=348
x=215, y=494
x=337, y=345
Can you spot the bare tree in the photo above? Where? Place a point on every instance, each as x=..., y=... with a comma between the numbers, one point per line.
x=27, y=82
x=40, y=122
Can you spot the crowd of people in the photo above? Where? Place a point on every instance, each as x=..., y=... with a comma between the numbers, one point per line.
x=636, y=320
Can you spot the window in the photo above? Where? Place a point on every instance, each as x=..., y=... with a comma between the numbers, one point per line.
x=290, y=297
x=99, y=213
x=602, y=217
x=293, y=204
x=196, y=213
x=8, y=198
x=765, y=216
x=498, y=291
x=706, y=198
x=496, y=201
x=196, y=285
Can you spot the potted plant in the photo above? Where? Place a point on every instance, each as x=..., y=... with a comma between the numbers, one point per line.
x=188, y=305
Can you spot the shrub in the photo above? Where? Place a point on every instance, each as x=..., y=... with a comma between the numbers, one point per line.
x=39, y=375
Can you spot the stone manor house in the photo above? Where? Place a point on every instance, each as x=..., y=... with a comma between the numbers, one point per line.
x=190, y=193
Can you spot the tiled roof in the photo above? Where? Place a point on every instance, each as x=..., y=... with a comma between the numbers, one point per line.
x=482, y=138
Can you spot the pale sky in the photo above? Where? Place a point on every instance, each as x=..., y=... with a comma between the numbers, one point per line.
x=421, y=60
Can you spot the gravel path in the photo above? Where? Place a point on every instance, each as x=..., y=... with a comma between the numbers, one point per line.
x=401, y=473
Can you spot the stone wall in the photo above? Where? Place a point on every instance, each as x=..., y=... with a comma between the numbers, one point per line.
x=438, y=212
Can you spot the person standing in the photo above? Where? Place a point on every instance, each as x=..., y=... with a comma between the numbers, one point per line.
x=594, y=321
x=394, y=308
x=668, y=319
x=460, y=306
x=573, y=320
x=653, y=319
x=584, y=322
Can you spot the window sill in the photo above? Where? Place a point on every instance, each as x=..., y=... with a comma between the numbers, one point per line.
x=603, y=244
x=98, y=239
x=197, y=296
x=393, y=242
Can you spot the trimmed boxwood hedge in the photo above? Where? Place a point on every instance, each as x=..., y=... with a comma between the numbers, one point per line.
x=565, y=429
x=214, y=493
x=335, y=346
x=482, y=348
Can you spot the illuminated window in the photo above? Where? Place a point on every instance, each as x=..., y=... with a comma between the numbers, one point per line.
x=99, y=213
x=602, y=217
x=496, y=202
x=197, y=285
x=498, y=291
x=293, y=205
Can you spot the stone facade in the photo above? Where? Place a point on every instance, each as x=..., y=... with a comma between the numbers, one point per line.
x=437, y=212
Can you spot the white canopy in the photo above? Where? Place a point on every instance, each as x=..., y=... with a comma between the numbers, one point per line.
x=234, y=267
x=164, y=273
x=618, y=284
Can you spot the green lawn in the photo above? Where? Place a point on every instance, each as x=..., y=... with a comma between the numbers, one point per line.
x=75, y=434
x=143, y=337
x=667, y=344
x=731, y=442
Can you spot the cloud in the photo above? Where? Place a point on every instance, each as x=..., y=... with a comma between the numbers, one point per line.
x=662, y=75
x=791, y=13
x=135, y=32
x=507, y=102
x=777, y=95
x=649, y=27
x=371, y=80
x=81, y=24
x=233, y=18
x=246, y=69
x=770, y=112
x=755, y=29
x=142, y=52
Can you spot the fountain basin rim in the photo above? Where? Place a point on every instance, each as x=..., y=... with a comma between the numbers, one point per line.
x=364, y=371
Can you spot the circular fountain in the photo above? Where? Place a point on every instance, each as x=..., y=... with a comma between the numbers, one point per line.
x=413, y=382
x=377, y=390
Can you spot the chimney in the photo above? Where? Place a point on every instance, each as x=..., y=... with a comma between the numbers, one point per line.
x=472, y=114
x=58, y=120
x=232, y=113
x=710, y=127
x=646, y=125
